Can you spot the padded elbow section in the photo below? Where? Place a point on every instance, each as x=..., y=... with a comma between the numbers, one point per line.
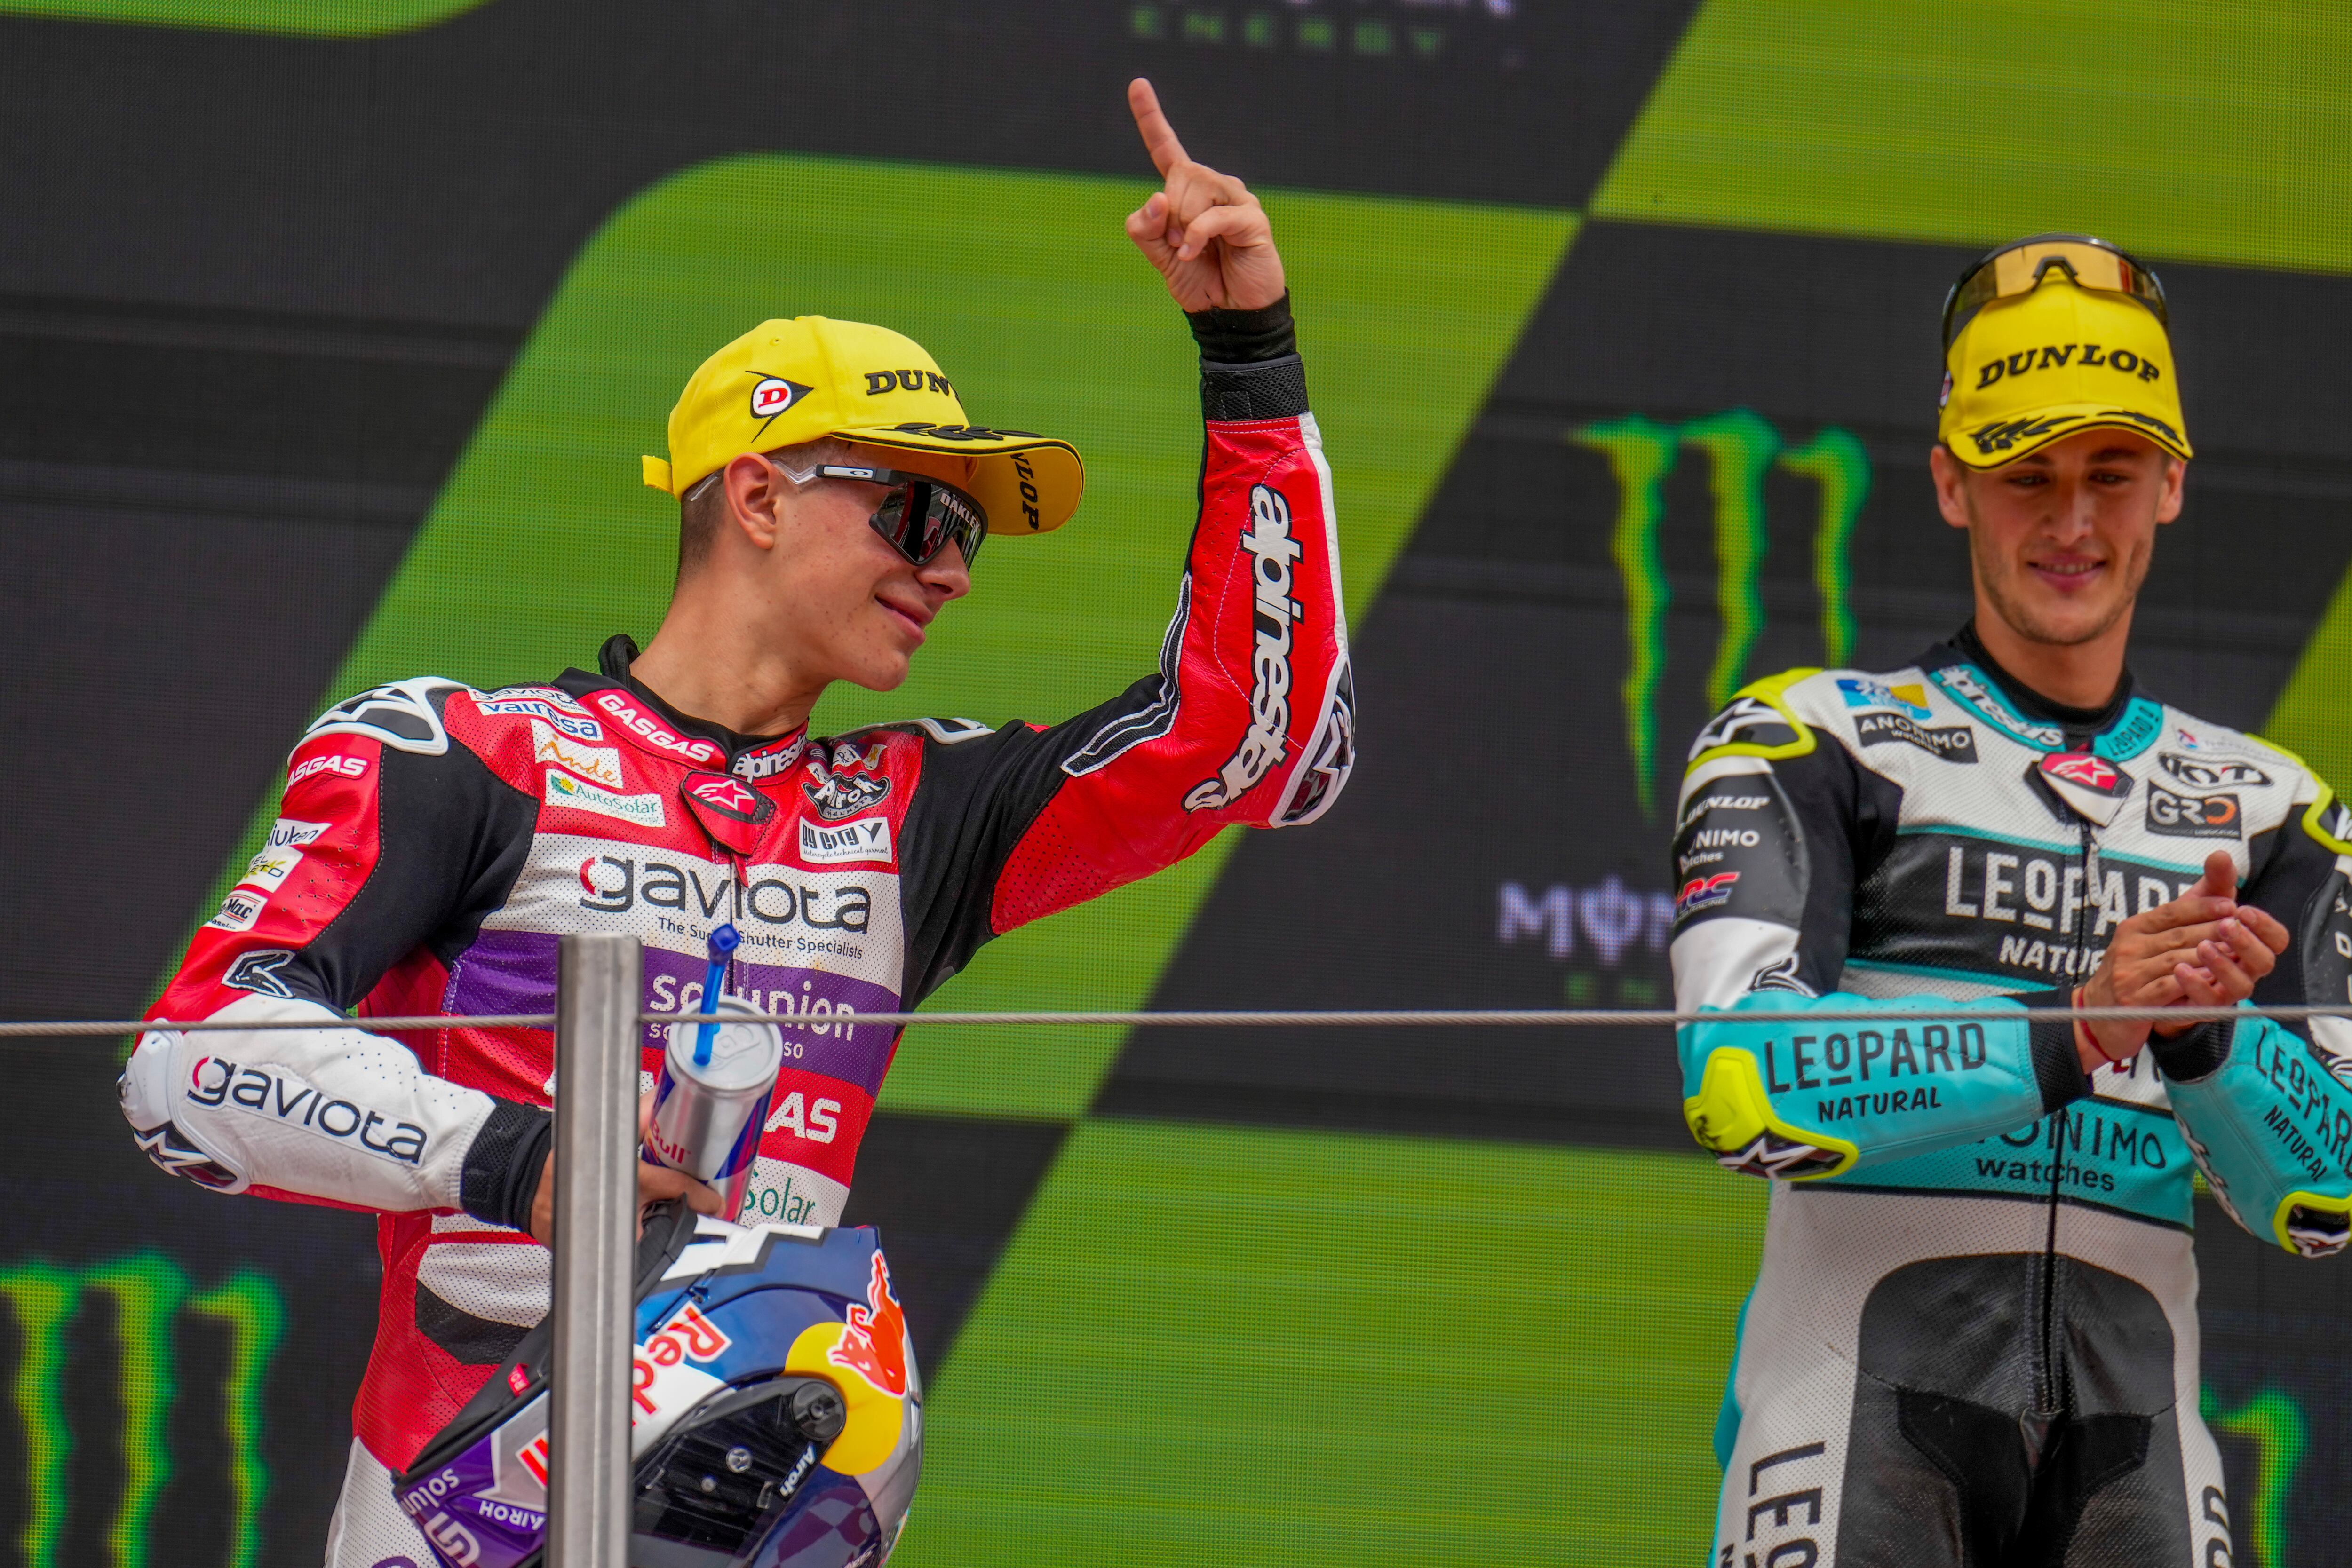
x=160, y=1061
x=1764, y=1086
x=2273, y=1132
x=1732, y=1116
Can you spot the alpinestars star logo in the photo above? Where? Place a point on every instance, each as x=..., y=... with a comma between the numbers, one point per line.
x=730, y=796
x=1744, y=721
x=2317, y=1233
x=1773, y=1156
x=1781, y=976
x=2081, y=767
x=258, y=972
x=1272, y=553
x=173, y=1155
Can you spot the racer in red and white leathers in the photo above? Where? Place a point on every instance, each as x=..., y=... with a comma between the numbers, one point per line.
x=436, y=842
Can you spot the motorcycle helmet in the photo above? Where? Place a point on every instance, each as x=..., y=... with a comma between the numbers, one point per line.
x=776, y=1414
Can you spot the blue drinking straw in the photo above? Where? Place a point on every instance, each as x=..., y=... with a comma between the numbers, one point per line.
x=723, y=942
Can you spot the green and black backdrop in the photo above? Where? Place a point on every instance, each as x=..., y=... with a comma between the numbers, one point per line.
x=330, y=331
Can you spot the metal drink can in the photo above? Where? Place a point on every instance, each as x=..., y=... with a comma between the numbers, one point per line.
x=707, y=1120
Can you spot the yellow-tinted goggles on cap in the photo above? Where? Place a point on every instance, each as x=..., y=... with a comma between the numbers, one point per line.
x=2017, y=268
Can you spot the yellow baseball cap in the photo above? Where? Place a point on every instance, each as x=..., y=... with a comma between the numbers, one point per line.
x=783, y=382
x=2048, y=356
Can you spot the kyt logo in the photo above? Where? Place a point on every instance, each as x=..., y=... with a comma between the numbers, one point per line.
x=146, y=1304
x=1742, y=449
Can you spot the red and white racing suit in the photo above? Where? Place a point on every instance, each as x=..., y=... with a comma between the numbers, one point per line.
x=436, y=842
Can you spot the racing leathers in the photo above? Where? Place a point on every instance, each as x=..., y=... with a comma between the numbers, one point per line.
x=1974, y=1336
x=436, y=842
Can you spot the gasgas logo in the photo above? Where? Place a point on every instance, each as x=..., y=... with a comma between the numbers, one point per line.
x=642, y=725
x=1742, y=450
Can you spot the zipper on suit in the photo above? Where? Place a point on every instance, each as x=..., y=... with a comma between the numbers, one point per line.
x=2049, y=1375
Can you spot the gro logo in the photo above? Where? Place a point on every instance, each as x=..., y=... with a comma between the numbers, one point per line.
x=1742, y=449
x=146, y=1308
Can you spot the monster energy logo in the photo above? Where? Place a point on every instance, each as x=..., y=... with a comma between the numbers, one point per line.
x=148, y=1292
x=1742, y=448
x=2280, y=1434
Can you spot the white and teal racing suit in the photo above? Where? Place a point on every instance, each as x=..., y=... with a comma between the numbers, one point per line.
x=1973, y=1338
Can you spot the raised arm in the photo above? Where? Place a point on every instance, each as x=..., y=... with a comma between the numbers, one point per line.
x=1250, y=717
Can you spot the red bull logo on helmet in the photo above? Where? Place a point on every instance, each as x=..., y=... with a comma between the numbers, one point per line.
x=874, y=1343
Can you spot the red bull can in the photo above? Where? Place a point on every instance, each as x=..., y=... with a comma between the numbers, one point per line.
x=708, y=1118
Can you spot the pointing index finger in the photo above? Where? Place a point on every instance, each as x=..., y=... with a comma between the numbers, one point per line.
x=1158, y=136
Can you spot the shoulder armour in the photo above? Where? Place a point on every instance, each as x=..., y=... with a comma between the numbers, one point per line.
x=404, y=715
x=2326, y=819
x=1759, y=721
x=945, y=731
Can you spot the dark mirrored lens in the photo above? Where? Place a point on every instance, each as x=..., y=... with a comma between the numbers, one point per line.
x=920, y=518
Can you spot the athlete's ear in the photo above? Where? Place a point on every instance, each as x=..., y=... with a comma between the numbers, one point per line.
x=755, y=493
x=2175, y=478
x=1951, y=479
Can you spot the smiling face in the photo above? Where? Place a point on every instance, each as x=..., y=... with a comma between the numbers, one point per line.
x=850, y=606
x=2060, y=540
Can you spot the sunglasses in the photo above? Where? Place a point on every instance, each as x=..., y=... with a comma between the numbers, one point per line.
x=920, y=517
x=2017, y=268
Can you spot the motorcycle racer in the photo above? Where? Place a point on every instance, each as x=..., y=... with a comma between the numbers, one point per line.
x=436, y=842
x=1974, y=1338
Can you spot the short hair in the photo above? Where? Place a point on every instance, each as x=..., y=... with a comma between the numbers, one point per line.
x=704, y=504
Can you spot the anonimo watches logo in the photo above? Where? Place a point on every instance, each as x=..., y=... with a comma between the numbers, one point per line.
x=1742, y=449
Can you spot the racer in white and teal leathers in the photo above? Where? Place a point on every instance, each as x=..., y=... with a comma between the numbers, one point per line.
x=1977, y=1295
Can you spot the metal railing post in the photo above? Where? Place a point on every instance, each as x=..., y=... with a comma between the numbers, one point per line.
x=599, y=991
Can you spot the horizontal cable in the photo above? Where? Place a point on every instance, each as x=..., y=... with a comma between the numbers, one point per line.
x=192, y=1026
x=1528, y=1017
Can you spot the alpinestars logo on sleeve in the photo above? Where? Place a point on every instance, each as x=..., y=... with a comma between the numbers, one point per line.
x=174, y=1154
x=1273, y=552
x=403, y=716
x=1773, y=1156
x=257, y=971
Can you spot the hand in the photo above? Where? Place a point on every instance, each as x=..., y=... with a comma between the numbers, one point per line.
x=2228, y=963
x=1205, y=233
x=2203, y=949
x=655, y=1183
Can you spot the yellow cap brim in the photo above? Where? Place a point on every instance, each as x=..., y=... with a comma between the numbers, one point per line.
x=1027, y=483
x=1999, y=443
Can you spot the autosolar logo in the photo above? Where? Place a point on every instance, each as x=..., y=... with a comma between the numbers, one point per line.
x=1742, y=449
x=137, y=1310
